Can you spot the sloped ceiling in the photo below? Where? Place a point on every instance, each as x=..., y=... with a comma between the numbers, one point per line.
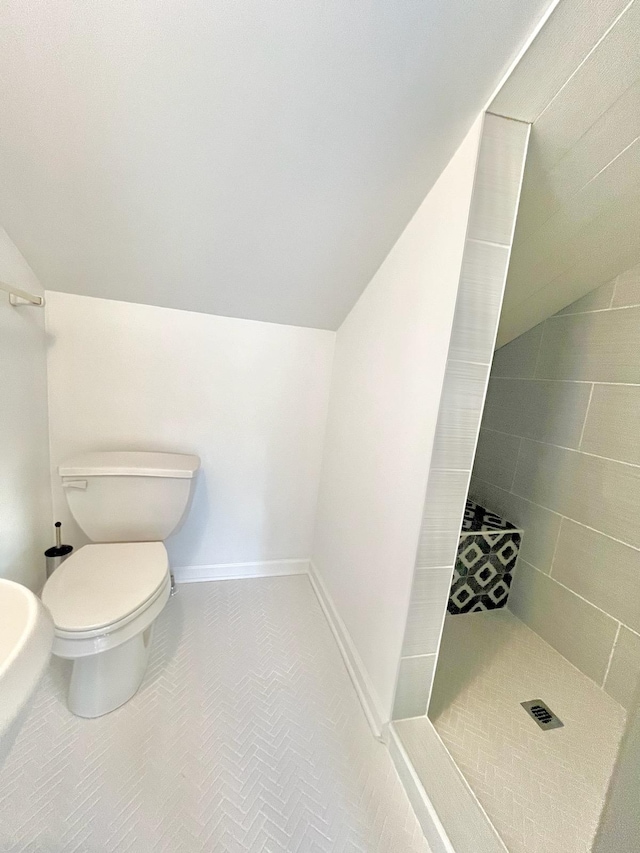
x=253, y=159
x=579, y=219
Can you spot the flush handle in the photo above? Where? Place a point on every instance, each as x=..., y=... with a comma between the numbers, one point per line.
x=74, y=484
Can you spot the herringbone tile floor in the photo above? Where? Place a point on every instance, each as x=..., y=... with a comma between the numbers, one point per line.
x=245, y=736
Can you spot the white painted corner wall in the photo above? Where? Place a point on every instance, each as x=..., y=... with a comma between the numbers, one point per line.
x=250, y=398
x=25, y=496
x=388, y=372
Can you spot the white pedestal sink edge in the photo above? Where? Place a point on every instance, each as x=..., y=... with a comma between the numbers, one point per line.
x=26, y=638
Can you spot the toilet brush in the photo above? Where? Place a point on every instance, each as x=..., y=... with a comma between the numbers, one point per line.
x=58, y=553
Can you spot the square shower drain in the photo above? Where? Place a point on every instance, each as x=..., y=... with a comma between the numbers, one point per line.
x=542, y=714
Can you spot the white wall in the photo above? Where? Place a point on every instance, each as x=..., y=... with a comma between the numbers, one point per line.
x=249, y=398
x=387, y=378
x=25, y=498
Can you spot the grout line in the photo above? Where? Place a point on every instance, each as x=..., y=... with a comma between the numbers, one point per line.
x=465, y=533
x=451, y=470
x=613, y=648
x=573, y=195
x=595, y=530
x=588, y=527
x=586, y=415
x=614, y=291
x=573, y=592
x=564, y=313
x=539, y=352
x=585, y=453
x=424, y=655
x=568, y=660
x=500, y=432
x=515, y=495
x=574, y=381
x=586, y=58
x=555, y=547
x=538, y=441
x=466, y=361
x=536, y=379
x=489, y=242
x=592, y=311
x=559, y=514
x=515, y=469
x=577, y=595
x=563, y=447
x=547, y=443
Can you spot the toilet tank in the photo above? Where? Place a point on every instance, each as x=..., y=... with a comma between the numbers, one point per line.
x=128, y=496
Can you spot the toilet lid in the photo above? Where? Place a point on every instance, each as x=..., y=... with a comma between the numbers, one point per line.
x=102, y=584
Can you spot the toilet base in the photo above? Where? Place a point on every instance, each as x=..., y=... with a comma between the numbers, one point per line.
x=102, y=682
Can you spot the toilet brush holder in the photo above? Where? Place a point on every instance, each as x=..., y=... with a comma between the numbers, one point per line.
x=58, y=553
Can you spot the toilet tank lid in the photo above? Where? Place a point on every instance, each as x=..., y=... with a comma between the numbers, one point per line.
x=130, y=463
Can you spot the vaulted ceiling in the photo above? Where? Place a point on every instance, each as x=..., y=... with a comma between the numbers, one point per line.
x=254, y=159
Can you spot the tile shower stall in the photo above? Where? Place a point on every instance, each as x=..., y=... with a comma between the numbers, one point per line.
x=558, y=458
x=529, y=590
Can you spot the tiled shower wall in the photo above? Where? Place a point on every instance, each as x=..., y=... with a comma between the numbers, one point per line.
x=484, y=268
x=559, y=454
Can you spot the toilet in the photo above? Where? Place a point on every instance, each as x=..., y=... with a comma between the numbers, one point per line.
x=105, y=598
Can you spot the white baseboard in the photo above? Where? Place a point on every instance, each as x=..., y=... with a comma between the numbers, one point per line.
x=428, y=819
x=237, y=571
x=371, y=704
x=275, y=568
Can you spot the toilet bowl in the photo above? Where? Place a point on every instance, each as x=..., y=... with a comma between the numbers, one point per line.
x=105, y=598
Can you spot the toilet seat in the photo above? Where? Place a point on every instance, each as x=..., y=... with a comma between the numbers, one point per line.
x=102, y=587
x=114, y=627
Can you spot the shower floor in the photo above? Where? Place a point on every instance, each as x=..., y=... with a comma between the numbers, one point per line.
x=542, y=790
x=246, y=735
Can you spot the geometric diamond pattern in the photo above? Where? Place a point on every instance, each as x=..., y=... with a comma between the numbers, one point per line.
x=462, y=595
x=507, y=553
x=477, y=518
x=487, y=555
x=484, y=575
x=246, y=735
x=470, y=555
x=499, y=593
